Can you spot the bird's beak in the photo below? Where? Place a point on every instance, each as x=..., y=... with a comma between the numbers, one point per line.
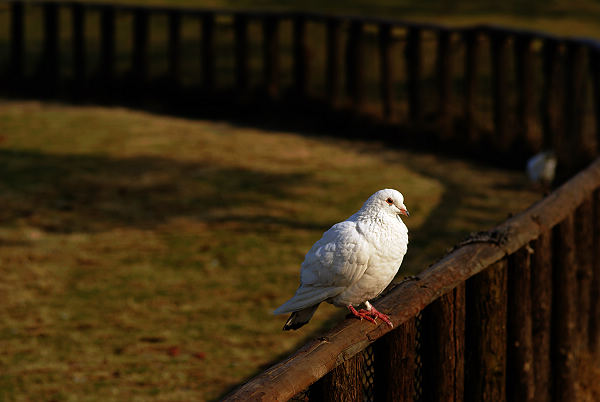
x=404, y=211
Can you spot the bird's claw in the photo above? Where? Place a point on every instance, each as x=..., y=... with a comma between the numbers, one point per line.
x=383, y=317
x=370, y=315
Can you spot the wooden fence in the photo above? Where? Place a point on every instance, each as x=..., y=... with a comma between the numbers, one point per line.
x=504, y=94
x=506, y=315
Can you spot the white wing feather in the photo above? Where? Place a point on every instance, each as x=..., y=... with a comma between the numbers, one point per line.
x=335, y=262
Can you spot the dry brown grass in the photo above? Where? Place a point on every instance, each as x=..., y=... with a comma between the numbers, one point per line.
x=141, y=255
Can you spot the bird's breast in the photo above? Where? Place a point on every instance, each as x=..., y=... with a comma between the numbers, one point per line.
x=388, y=245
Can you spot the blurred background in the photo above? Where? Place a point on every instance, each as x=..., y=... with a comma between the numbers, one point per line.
x=146, y=233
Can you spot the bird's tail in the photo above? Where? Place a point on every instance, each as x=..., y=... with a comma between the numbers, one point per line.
x=299, y=318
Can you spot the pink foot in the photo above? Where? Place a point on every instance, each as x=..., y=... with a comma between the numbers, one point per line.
x=376, y=314
x=361, y=314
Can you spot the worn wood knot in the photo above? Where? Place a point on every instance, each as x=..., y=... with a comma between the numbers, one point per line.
x=495, y=236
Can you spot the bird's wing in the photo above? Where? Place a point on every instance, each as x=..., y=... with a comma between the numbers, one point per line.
x=338, y=259
x=334, y=262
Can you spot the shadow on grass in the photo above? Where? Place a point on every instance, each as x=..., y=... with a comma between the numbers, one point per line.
x=467, y=204
x=87, y=193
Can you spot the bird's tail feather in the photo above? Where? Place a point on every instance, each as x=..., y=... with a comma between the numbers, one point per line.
x=306, y=297
x=299, y=318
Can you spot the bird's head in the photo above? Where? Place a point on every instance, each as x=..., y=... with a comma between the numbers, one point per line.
x=388, y=200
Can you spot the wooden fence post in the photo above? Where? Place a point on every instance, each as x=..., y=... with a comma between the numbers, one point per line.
x=240, y=27
x=271, y=55
x=414, y=69
x=300, y=46
x=386, y=69
x=471, y=39
x=208, y=51
x=584, y=237
x=174, y=47
x=443, y=347
x=520, y=384
x=344, y=383
x=552, y=120
x=575, y=152
x=79, y=62
x=139, y=61
x=355, y=75
x=17, y=40
x=107, y=43
x=526, y=92
x=332, y=73
x=49, y=64
x=500, y=94
x=594, y=64
x=594, y=326
x=445, y=74
x=541, y=301
x=485, y=337
x=564, y=312
x=395, y=364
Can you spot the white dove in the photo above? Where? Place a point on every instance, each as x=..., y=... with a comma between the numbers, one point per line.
x=353, y=262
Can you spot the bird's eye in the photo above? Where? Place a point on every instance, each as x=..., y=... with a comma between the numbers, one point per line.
x=389, y=201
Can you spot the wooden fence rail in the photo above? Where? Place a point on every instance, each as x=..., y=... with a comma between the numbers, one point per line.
x=504, y=116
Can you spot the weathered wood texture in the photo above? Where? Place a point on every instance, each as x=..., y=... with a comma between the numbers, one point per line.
x=584, y=240
x=541, y=302
x=107, y=43
x=500, y=91
x=520, y=384
x=344, y=383
x=48, y=68
x=526, y=93
x=485, y=360
x=301, y=56
x=594, y=63
x=386, y=70
x=355, y=74
x=139, y=61
x=208, y=51
x=271, y=55
x=594, y=329
x=445, y=75
x=333, y=65
x=174, y=47
x=17, y=39
x=402, y=303
x=240, y=29
x=564, y=312
x=394, y=353
x=78, y=43
x=443, y=347
x=573, y=149
x=414, y=69
x=552, y=93
x=471, y=39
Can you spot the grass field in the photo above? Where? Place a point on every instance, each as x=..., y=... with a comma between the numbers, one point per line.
x=141, y=255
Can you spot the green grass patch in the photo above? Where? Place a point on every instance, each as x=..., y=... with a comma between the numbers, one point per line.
x=141, y=255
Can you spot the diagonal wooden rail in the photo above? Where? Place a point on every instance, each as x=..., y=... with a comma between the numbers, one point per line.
x=291, y=376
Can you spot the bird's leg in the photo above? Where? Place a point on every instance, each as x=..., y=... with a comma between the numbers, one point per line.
x=361, y=314
x=372, y=311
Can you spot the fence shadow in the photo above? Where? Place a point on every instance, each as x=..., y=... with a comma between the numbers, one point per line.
x=87, y=193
